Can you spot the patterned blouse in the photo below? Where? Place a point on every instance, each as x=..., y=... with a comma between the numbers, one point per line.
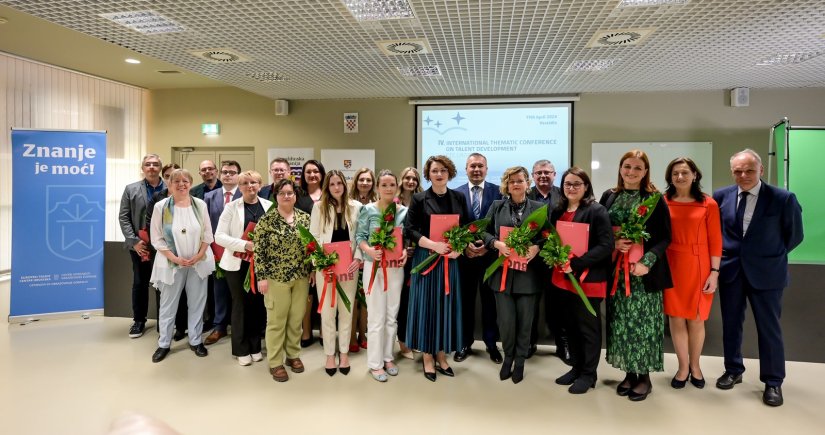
x=279, y=254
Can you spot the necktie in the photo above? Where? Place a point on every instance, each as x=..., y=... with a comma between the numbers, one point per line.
x=740, y=212
x=227, y=196
x=476, y=201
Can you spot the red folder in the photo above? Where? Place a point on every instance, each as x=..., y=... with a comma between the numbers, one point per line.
x=217, y=250
x=636, y=252
x=245, y=254
x=517, y=262
x=575, y=234
x=439, y=223
x=344, y=250
x=396, y=253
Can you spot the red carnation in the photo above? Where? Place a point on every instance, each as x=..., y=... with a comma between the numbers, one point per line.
x=378, y=230
x=642, y=210
x=311, y=247
x=545, y=233
x=533, y=226
x=389, y=218
x=472, y=228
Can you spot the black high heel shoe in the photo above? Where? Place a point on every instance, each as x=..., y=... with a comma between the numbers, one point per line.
x=506, y=369
x=638, y=397
x=331, y=371
x=629, y=379
x=698, y=383
x=429, y=375
x=446, y=372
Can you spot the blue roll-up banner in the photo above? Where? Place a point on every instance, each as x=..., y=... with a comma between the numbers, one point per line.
x=58, y=221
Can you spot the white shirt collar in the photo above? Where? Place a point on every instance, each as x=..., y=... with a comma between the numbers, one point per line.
x=481, y=185
x=753, y=190
x=234, y=189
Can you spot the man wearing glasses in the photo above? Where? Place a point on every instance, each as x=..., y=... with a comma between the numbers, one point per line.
x=279, y=169
x=132, y=217
x=544, y=174
x=215, y=202
x=209, y=175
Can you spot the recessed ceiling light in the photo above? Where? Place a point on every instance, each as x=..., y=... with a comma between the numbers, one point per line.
x=376, y=10
x=147, y=22
x=591, y=65
x=789, y=58
x=130, y=60
x=641, y=3
x=420, y=71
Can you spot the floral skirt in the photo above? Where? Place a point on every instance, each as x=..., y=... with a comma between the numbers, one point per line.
x=434, y=321
x=635, y=331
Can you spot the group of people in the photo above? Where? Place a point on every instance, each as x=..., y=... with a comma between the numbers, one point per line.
x=689, y=244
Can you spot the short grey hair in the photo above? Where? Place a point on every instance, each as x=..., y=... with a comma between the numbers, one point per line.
x=749, y=152
x=543, y=162
x=150, y=156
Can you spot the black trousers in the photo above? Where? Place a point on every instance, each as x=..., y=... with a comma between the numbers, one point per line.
x=472, y=284
x=515, y=316
x=404, y=304
x=142, y=271
x=552, y=316
x=584, y=331
x=248, y=314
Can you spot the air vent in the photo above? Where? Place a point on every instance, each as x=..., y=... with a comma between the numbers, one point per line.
x=268, y=76
x=420, y=71
x=169, y=71
x=404, y=46
x=147, y=22
x=619, y=38
x=593, y=65
x=220, y=56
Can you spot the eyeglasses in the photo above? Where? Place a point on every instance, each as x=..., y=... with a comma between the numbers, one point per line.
x=229, y=172
x=543, y=173
x=285, y=194
x=148, y=164
x=573, y=186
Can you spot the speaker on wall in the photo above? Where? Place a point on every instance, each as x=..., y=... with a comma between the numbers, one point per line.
x=740, y=97
x=281, y=107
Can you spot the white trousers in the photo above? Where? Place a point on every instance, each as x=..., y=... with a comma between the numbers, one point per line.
x=382, y=311
x=185, y=277
x=328, y=327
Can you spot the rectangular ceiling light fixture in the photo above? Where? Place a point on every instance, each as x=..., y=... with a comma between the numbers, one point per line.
x=789, y=58
x=377, y=10
x=592, y=65
x=420, y=71
x=642, y=3
x=147, y=22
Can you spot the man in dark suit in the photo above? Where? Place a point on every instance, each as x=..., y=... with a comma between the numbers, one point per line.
x=478, y=195
x=544, y=191
x=209, y=175
x=215, y=201
x=279, y=169
x=132, y=218
x=761, y=224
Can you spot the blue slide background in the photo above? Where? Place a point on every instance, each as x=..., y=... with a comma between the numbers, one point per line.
x=58, y=222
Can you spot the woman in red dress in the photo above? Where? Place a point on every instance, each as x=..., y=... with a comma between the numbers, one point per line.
x=694, y=255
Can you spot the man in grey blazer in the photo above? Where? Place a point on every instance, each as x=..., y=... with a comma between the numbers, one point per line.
x=132, y=218
x=215, y=200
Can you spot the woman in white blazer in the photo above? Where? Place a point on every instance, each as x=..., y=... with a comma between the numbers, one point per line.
x=248, y=313
x=334, y=219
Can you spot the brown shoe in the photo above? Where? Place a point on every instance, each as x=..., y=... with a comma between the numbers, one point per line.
x=295, y=364
x=279, y=373
x=214, y=337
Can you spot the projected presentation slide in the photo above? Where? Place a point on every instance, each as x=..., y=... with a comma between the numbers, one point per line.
x=507, y=134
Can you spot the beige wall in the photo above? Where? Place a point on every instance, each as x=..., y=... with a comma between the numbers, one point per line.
x=387, y=125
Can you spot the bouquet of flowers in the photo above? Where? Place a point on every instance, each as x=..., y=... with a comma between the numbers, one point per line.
x=383, y=240
x=458, y=237
x=324, y=263
x=249, y=280
x=519, y=240
x=556, y=254
x=633, y=228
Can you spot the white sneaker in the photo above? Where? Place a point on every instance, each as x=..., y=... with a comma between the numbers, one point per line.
x=245, y=360
x=257, y=357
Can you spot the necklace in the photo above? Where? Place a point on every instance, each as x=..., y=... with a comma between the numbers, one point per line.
x=252, y=209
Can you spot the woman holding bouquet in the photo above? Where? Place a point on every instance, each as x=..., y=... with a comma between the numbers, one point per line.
x=517, y=296
x=409, y=186
x=584, y=329
x=334, y=220
x=180, y=233
x=363, y=191
x=248, y=313
x=694, y=257
x=635, y=321
x=283, y=279
x=434, y=317
x=383, y=298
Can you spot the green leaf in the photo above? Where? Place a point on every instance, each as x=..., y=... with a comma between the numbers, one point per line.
x=581, y=294
x=424, y=264
x=496, y=264
x=343, y=296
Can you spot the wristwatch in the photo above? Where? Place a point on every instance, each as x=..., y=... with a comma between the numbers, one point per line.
x=713, y=269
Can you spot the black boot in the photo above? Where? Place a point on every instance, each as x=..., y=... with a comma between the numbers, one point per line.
x=518, y=371
x=506, y=368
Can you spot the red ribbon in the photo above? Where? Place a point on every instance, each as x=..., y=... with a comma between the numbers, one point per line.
x=329, y=278
x=383, y=264
x=252, y=282
x=505, y=265
x=623, y=262
x=446, y=272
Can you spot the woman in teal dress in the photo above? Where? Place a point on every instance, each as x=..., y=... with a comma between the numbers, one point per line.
x=635, y=320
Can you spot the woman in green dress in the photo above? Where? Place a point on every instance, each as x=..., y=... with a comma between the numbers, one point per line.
x=635, y=319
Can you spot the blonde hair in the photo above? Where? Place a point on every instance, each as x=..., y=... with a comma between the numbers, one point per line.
x=508, y=173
